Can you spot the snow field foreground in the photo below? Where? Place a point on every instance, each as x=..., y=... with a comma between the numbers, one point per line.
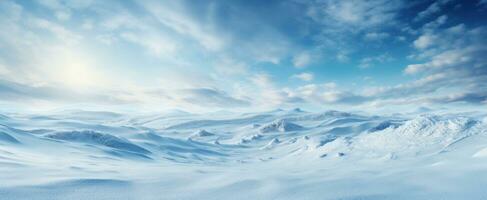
x=271, y=155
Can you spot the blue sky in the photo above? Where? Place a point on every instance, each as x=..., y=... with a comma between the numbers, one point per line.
x=243, y=55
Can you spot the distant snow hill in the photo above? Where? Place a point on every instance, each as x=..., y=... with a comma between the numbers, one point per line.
x=280, y=154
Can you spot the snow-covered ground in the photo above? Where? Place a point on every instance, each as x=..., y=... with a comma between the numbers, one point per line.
x=281, y=154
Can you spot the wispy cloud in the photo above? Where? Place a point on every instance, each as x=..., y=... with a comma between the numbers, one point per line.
x=433, y=8
x=305, y=76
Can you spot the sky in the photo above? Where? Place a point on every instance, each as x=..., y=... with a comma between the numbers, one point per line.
x=243, y=55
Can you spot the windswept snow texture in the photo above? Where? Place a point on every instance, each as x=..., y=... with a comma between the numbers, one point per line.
x=280, y=154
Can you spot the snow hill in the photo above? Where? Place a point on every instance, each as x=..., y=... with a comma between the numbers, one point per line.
x=280, y=154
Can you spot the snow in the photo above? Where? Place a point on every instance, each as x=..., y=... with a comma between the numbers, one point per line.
x=271, y=155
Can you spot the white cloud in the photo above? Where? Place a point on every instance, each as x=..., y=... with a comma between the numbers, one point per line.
x=327, y=93
x=62, y=9
x=373, y=36
x=87, y=25
x=370, y=61
x=341, y=23
x=330, y=85
x=157, y=44
x=455, y=65
x=231, y=67
x=441, y=20
x=432, y=9
x=413, y=68
x=201, y=97
x=107, y=39
x=356, y=13
x=57, y=30
x=445, y=59
x=302, y=60
x=342, y=56
x=457, y=30
x=63, y=15
x=174, y=16
x=305, y=76
x=269, y=95
x=424, y=41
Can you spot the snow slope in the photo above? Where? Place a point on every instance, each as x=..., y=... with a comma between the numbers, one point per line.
x=271, y=155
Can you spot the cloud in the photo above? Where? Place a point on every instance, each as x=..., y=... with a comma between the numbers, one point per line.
x=208, y=97
x=270, y=95
x=301, y=60
x=431, y=26
x=328, y=93
x=356, y=13
x=424, y=41
x=345, y=28
x=453, y=71
x=57, y=30
x=157, y=44
x=370, y=61
x=305, y=76
x=20, y=93
x=43, y=52
x=174, y=16
x=455, y=48
x=474, y=98
x=230, y=67
x=450, y=59
x=203, y=98
x=342, y=97
x=374, y=36
x=433, y=8
x=342, y=57
x=455, y=65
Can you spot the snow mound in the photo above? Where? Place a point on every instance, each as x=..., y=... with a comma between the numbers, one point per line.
x=202, y=133
x=250, y=138
x=280, y=126
x=298, y=110
x=334, y=113
x=92, y=137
